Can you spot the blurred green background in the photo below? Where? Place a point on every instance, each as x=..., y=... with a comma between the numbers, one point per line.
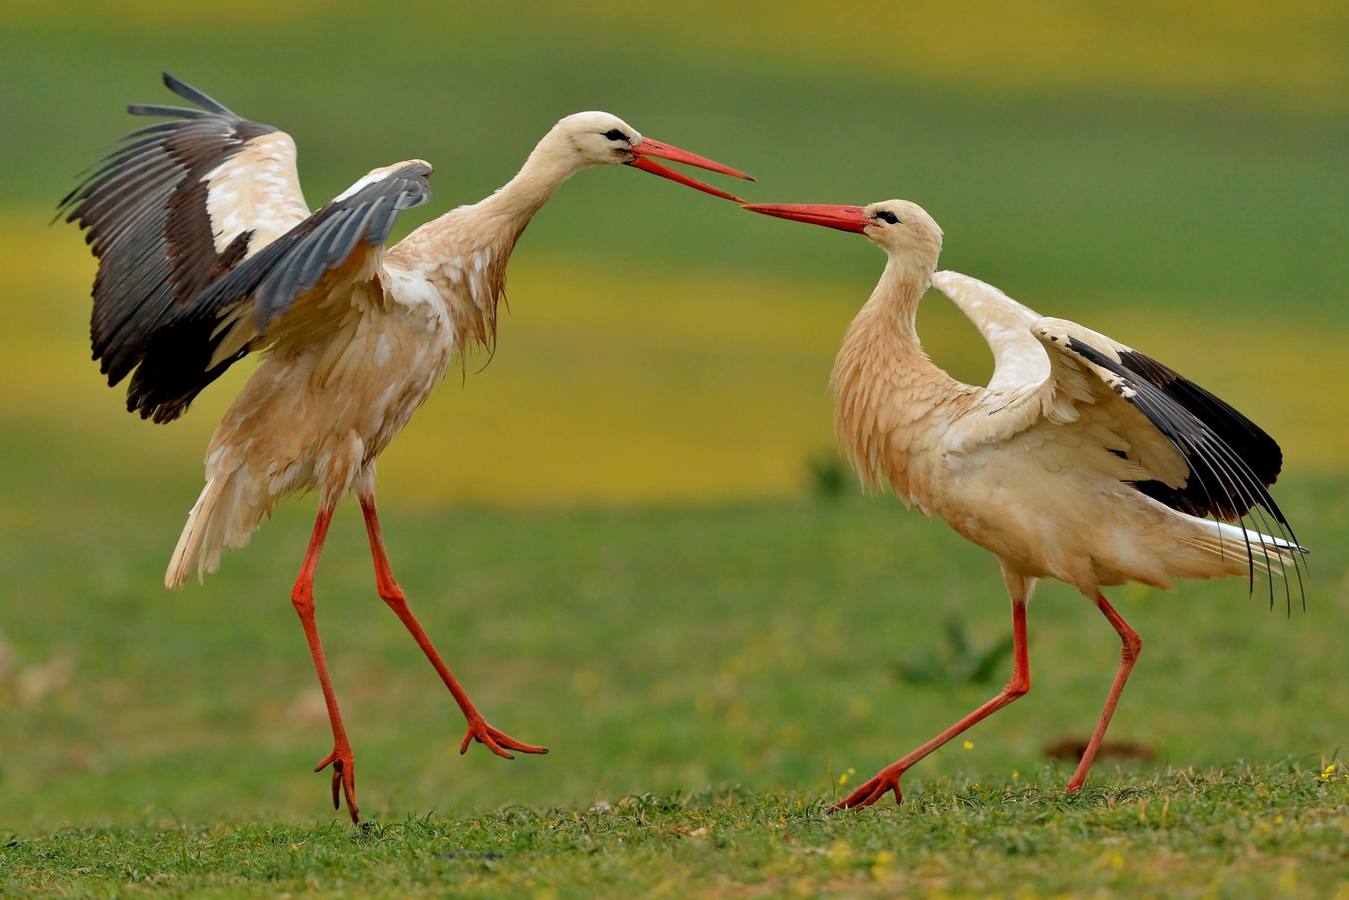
x=613, y=528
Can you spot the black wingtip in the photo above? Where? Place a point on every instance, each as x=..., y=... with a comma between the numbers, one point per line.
x=189, y=93
x=168, y=112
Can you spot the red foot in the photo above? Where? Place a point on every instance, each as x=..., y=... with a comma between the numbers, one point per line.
x=344, y=778
x=496, y=741
x=885, y=781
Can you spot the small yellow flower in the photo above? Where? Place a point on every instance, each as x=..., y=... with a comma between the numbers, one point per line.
x=968, y=745
x=1016, y=776
x=843, y=779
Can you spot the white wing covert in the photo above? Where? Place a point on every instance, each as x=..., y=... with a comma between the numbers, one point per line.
x=175, y=206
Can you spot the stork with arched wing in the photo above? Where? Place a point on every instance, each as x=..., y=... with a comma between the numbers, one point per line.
x=1082, y=460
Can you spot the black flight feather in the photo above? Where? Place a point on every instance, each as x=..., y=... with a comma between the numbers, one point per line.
x=143, y=210
x=1231, y=461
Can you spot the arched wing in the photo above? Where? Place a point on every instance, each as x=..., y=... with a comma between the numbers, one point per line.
x=1018, y=358
x=337, y=246
x=175, y=206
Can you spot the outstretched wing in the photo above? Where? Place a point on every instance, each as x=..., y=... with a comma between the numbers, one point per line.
x=1229, y=462
x=337, y=246
x=1184, y=446
x=1224, y=439
x=176, y=205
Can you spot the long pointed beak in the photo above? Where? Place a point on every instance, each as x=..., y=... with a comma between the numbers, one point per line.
x=844, y=218
x=648, y=148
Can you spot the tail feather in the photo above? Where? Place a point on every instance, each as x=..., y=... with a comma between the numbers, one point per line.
x=1242, y=551
x=190, y=542
x=1285, y=547
x=225, y=515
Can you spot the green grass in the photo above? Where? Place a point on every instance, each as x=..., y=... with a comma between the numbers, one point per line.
x=666, y=652
x=1248, y=831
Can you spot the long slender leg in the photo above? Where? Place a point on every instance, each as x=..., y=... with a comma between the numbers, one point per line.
x=302, y=596
x=888, y=778
x=1131, y=645
x=498, y=742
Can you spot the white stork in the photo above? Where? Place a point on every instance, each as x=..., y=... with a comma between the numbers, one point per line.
x=1083, y=460
x=207, y=252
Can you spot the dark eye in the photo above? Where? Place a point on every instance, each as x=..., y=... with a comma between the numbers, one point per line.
x=614, y=134
x=888, y=217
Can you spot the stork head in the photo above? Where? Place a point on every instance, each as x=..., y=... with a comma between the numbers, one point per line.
x=589, y=139
x=899, y=227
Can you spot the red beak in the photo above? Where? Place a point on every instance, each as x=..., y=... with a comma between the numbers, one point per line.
x=844, y=218
x=648, y=148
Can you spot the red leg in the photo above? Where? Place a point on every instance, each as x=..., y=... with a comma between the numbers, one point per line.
x=1132, y=644
x=498, y=742
x=302, y=596
x=887, y=779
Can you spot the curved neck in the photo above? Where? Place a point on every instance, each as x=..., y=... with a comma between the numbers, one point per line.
x=463, y=254
x=880, y=369
x=543, y=172
x=891, y=313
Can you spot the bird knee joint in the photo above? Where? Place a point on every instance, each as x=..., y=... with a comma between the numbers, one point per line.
x=1018, y=687
x=302, y=598
x=391, y=593
x=1133, y=645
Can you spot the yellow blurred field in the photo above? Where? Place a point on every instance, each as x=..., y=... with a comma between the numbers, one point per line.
x=678, y=387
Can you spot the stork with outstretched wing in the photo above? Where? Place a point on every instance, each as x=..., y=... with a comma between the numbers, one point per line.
x=207, y=252
x=1082, y=460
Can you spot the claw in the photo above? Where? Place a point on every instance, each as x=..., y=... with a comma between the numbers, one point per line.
x=344, y=779
x=494, y=740
x=867, y=794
